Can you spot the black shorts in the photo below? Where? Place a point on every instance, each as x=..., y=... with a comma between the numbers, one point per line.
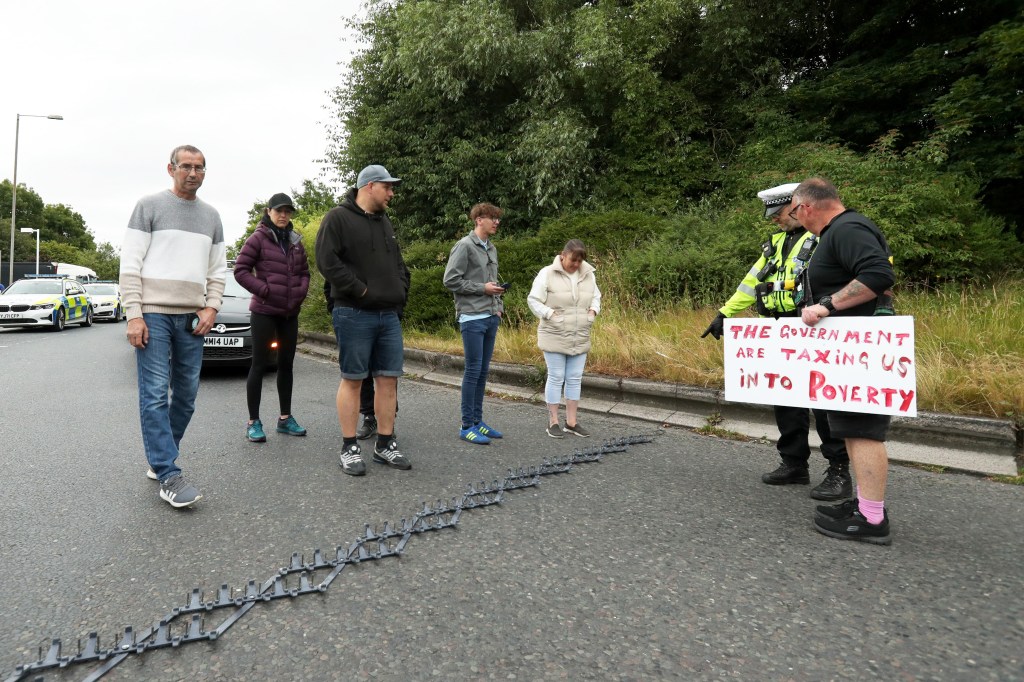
x=859, y=425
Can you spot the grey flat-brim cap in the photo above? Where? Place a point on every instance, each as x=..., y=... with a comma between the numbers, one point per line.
x=375, y=173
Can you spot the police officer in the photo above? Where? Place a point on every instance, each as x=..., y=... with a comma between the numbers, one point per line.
x=769, y=286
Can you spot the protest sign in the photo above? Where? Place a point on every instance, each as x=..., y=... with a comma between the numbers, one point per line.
x=852, y=364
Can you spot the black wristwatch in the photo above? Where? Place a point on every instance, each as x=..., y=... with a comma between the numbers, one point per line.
x=826, y=303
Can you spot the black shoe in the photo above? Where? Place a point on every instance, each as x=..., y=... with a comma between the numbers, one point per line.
x=837, y=484
x=837, y=511
x=841, y=510
x=391, y=456
x=786, y=474
x=854, y=526
x=578, y=430
x=368, y=429
x=351, y=460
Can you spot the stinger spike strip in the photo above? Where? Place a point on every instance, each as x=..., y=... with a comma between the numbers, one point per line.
x=373, y=544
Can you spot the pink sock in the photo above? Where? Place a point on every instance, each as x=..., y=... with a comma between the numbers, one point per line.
x=871, y=510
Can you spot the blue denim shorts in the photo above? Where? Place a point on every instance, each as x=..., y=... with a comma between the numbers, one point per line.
x=369, y=342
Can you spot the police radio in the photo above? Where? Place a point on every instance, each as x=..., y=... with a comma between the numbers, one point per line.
x=804, y=254
x=769, y=269
x=800, y=285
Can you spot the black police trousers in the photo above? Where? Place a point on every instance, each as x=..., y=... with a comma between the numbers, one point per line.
x=794, y=424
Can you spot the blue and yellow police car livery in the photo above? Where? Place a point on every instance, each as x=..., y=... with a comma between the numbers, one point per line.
x=106, y=300
x=43, y=301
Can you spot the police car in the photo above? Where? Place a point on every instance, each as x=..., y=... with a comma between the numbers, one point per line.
x=45, y=301
x=106, y=300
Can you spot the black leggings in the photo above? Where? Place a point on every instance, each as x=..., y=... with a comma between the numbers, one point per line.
x=265, y=329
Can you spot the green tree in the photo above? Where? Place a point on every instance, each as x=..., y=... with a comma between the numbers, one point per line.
x=30, y=214
x=30, y=206
x=942, y=73
x=540, y=107
x=312, y=201
x=685, y=109
x=108, y=261
x=61, y=223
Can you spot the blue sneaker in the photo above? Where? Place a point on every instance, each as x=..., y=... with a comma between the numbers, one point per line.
x=488, y=431
x=254, y=432
x=473, y=435
x=290, y=426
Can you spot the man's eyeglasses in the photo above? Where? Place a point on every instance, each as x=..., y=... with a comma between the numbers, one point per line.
x=792, y=213
x=188, y=168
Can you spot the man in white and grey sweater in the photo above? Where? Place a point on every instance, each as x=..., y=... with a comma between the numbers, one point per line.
x=173, y=265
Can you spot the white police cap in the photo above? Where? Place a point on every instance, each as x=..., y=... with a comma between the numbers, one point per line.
x=776, y=198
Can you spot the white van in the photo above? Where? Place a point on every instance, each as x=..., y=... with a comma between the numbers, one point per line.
x=82, y=274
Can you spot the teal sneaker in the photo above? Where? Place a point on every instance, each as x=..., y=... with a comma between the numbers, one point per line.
x=254, y=432
x=290, y=426
x=488, y=431
x=473, y=435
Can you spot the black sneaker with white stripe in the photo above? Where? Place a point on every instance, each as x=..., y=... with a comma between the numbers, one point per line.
x=391, y=456
x=351, y=460
x=178, y=492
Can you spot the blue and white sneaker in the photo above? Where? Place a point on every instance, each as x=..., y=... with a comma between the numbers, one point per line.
x=488, y=431
x=473, y=435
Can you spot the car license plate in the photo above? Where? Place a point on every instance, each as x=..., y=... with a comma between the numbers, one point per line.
x=7, y=316
x=222, y=341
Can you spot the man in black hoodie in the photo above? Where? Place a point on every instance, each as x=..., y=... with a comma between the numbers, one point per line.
x=358, y=256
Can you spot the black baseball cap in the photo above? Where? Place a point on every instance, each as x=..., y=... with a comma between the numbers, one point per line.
x=281, y=199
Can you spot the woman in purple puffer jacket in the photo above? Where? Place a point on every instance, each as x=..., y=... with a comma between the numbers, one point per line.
x=272, y=265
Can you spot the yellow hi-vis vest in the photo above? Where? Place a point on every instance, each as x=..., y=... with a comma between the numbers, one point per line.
x=781, y=298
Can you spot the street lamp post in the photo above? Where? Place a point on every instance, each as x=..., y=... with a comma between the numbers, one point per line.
x=29, y=229
x=14, y=185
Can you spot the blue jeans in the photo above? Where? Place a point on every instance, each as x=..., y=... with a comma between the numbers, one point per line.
x=478, y=338
x=369, y=342
x=170, y=362
x=564, y=370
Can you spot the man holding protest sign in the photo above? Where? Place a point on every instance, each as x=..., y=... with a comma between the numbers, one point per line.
x=783, y=258
x=851, y=267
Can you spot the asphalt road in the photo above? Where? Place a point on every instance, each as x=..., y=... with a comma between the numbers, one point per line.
x=670, y=561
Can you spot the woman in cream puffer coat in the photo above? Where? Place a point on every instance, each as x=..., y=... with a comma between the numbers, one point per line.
x=565, y=298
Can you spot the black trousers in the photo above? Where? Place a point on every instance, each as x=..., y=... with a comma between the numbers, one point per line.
x=266, y=328
x=366, y=395
x=794, y=424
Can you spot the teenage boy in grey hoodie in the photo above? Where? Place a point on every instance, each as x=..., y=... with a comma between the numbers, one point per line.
x=472, y=276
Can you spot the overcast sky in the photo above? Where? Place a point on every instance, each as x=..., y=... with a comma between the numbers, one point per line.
x=246, y=82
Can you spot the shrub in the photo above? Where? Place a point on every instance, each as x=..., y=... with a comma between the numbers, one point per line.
x=430, y=305
x=427, y=253
x=314, y=316
x=696, y=261
x=932, y=218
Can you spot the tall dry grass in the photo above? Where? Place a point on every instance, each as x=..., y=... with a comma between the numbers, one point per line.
x=970, y=346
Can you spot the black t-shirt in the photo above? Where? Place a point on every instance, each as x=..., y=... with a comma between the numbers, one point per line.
x=851, y=247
